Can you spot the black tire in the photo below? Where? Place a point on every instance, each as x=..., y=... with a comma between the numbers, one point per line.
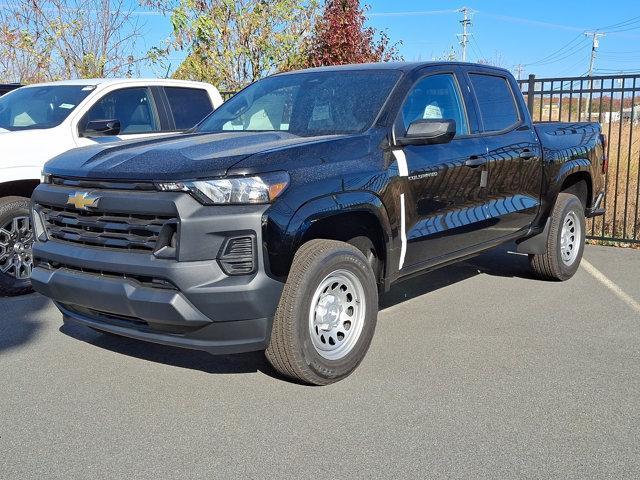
x=11, y=207
x=291, y=350
x=550, y=265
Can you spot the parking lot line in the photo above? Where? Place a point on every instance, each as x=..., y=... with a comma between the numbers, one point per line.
x=602, y=278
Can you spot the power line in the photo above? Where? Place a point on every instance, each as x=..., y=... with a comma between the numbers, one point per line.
x=619, y=52
x=624, y=23
x=635, y=60
x=571, y=67
x=478, y=53
x=616, y=70
x=623, y=29
x=561, y=50
x=421, y=13
x=577, y=49
x=477, y=46
x=571, y=48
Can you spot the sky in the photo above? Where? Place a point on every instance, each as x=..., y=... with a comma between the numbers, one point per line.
x=544, y=36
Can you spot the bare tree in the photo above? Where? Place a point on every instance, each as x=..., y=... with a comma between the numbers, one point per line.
x=43, y=40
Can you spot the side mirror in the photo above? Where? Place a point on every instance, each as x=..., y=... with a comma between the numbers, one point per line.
x=101, y=128
x=427, y=132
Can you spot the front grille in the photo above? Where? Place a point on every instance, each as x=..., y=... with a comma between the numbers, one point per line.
x=133, y=232
x=101, y=184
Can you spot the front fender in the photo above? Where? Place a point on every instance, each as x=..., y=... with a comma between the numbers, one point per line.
x=26, y=172
x=339, y=203
x=324, y=207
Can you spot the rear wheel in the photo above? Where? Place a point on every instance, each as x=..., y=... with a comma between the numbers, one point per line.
x=565, y=243
x=327, y=314
x=16, y=241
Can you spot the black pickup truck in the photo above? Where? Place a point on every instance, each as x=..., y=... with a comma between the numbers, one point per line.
x=275, y=223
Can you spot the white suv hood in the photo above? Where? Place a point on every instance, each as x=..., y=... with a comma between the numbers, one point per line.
x=24, y=153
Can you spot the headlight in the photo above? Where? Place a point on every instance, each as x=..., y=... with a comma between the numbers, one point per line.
x=264, y=188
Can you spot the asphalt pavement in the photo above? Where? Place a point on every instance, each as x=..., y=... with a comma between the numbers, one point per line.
x=476, y=371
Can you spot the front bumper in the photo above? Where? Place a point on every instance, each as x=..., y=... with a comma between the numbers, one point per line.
x=191, y=304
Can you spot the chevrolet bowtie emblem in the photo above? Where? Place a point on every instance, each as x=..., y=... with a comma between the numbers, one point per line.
x=82, y=200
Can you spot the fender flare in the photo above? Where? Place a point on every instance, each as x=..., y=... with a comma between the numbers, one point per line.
x=338, y=204
x=537, y=243
x=577, y=165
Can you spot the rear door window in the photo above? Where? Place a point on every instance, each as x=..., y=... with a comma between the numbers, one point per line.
x=498, y=109
x=188, y=105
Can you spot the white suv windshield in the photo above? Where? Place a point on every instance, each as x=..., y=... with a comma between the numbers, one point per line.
x=40, y=107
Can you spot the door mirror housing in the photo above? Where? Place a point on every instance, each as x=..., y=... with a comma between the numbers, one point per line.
x=428, y=132
x=101, y=128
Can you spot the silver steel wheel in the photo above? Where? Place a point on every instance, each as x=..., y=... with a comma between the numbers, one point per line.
x=16, y=242
x=337, y=313
x=570, y=238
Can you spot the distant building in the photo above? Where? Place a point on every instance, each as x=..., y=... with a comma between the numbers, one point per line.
x=631, y=114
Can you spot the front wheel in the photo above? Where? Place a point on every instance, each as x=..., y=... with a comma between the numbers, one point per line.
x=565, y=243
x=327, y=314
x=16, y=241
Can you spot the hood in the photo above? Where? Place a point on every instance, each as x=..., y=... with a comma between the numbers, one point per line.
x=31, y=148
x=179, y=157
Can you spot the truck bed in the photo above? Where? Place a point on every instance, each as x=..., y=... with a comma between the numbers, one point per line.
x=562, y=136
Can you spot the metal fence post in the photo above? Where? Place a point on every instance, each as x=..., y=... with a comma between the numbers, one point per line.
x=614, y=101
x=530, y=89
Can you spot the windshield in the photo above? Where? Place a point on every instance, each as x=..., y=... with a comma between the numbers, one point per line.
x=40, y=107
x=306, y=104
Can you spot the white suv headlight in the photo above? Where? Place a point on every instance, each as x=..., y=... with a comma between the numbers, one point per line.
x=263, y=188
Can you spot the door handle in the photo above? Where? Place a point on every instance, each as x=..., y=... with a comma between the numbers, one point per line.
x=475, y=161
x=527, y=154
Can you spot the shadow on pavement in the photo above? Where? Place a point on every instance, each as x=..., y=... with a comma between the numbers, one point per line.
x=496, y=262
x=19, y=321
x=178, y=357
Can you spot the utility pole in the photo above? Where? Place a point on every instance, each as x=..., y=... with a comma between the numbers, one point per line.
x=518, y=69
x=464, y=36
x=595, y=43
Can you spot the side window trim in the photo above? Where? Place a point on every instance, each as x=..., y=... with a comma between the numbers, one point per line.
x=508, y=129
x=152, y=106
x=470, y=104
x=163, y=109
x=399, y=128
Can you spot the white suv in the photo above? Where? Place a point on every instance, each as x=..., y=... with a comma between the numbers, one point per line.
x=39, y=122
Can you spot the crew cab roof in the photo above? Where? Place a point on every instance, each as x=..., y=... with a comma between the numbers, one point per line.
x=399, y=66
